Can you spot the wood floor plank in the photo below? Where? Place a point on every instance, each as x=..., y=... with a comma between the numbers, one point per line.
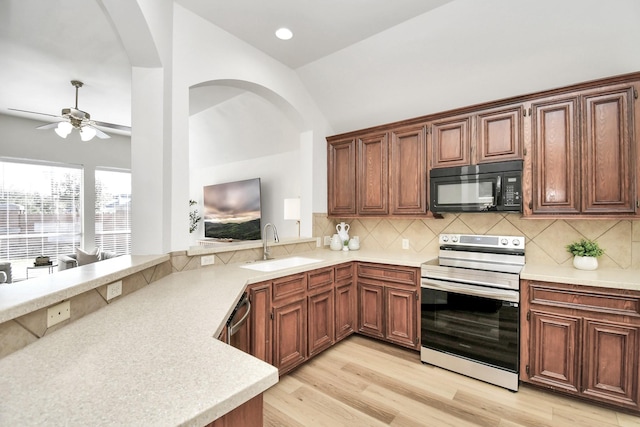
x=365, y=382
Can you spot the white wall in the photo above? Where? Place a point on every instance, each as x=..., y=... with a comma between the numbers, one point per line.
x=275, y=173
x=467, y=52
x=204, y=53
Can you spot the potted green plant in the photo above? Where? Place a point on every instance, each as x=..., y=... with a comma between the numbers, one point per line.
x=585, y=254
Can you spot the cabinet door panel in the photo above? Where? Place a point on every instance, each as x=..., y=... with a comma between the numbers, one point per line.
x=370, y=309
x=341, y=177
x=408, y=172
x=321, y=322
x=451, y=142
x=345, y=310
x=290, y=335
x=554, y=351
x=499, y=135
x=556, y=171
x=608, y=154
x=611, y=362
x=401, y=317
x=260, y=322
x=373, y=175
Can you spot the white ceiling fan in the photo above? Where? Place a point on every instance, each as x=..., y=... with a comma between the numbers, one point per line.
x=73, y=118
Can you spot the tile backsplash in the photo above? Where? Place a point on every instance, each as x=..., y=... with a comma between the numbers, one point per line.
x=545, y=238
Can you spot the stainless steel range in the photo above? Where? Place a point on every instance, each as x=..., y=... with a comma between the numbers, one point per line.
x=470, y=307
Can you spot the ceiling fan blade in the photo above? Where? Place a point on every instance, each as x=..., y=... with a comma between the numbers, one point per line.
x=101, y=134
x=35, y=112
x=48, y=126
x=112, y=126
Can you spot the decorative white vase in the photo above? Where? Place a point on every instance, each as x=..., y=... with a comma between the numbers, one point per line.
x=336, y=243
x=585, y=262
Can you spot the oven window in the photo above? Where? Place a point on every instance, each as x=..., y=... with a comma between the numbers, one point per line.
x=475, y=192
x=480, y=329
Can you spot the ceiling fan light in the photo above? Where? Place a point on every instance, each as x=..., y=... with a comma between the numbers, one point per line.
x=87, y=133
x=63, y=129
x=61, y=133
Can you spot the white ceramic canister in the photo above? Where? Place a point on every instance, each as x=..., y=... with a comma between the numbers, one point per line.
x=354, y=243
x=336, y=243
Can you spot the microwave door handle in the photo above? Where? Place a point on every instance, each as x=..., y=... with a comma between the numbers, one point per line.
x=498, y=196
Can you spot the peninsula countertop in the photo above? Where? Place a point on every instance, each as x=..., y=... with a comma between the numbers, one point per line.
x=151, y=358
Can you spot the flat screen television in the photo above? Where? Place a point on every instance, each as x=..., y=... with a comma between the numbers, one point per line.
x=232, y=210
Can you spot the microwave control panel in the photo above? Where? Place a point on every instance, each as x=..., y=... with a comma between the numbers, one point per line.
x=512, y=194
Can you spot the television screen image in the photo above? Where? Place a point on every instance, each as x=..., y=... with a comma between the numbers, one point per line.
x=232, y=210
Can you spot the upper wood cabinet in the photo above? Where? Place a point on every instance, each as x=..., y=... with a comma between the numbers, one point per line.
x=608, y=157
x=408, y=172
x=583, y=159
x=480, y=137
x=373, y=175
x=341, y=177
x=378, y=174
x=451, y=142
x=579, y=146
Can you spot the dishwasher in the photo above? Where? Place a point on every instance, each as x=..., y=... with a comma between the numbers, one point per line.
x=236, y=335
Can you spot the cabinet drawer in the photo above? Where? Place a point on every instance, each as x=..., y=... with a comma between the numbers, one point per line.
x=343, y=271
x=387, y=273
x=319, y=278
x=583, y=298
x=289, y=286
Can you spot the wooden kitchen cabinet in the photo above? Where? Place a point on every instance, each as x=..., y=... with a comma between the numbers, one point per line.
x=260, y=342
x=582, y=340
x=556, y=156
x=451, y=141
x=289, y=307
x=388, y=302
x=482, y=136
x=499, y=134
x=583, y=159
x=408, y=171
x=345, y=301
x=341, y=177
x=373, y=175
x=608, y=156
x=378, y=174
x=321, y=310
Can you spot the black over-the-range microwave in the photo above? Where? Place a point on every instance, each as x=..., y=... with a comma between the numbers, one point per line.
x=477, y=188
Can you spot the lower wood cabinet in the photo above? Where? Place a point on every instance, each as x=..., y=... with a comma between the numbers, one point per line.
x=321, y=315
x=388, y=303
x=582, y=340
x=289, y=335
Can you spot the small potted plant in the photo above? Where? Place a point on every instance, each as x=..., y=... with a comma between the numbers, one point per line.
x=585, y=254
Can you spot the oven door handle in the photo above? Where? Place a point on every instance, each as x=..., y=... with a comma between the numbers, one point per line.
x=478, y=291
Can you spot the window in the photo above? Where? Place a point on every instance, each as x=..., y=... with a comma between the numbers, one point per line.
x=113, y=211
x=40, y=210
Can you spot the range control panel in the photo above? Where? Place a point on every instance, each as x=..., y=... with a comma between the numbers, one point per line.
x=482, y=241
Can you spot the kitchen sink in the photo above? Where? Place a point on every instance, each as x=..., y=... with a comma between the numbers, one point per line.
x=280, y=264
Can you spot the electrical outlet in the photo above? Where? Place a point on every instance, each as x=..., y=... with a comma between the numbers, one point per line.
x=114, y=290
x=58, y=313
x=327, y=240
x=207, y=260
x=405, y=243
x=318, y=242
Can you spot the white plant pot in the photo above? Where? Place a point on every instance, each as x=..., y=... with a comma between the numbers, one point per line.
x=585, y=262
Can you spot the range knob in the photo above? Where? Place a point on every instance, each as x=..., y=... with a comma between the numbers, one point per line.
x=516, y=242
x=445, y=239
x=454, y=239
x=504, y=242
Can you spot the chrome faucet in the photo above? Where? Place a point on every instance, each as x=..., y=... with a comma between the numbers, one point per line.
x=265, y=243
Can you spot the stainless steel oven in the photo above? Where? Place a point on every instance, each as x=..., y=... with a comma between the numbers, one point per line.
x=470, y=307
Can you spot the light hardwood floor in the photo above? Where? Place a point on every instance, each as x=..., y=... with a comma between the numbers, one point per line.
x=364, y=382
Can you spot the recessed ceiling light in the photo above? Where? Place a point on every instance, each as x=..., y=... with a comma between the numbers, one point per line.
x=284, y=33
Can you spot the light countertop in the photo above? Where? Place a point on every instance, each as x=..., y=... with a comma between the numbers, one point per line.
x=602, y=277
x=151, y=358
